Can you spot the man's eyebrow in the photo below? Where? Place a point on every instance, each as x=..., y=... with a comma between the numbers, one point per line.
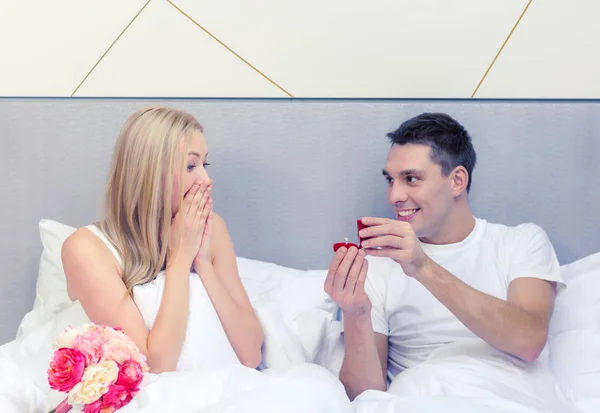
x=405, y=172
x=412, y=172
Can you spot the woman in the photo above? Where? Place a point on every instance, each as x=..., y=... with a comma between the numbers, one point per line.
x=158, y=225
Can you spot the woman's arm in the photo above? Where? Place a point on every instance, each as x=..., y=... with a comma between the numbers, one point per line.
x=226, y=291
x=93, y=278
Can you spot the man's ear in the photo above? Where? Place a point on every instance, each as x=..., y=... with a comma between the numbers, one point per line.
x=460, y=180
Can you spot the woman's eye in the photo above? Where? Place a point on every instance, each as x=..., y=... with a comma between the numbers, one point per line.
x=205, y=164
x=190, y=167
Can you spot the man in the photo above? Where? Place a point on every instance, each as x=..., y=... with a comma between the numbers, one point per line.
x=444, y=274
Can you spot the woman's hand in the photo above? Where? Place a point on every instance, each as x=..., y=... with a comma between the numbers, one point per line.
x=189, y=225
x=203, y=258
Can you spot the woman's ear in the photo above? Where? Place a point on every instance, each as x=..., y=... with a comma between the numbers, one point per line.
x=460, y=180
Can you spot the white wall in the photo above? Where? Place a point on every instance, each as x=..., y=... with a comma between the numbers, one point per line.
x=300, y=48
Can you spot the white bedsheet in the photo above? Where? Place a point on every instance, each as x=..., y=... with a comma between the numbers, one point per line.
x=285, y=387
x=300, y=329
x=469, y=377
x=463, y=378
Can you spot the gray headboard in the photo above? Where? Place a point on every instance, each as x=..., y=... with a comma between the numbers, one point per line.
x=292, y=176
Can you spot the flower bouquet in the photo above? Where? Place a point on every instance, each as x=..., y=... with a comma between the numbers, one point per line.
x=99, y=367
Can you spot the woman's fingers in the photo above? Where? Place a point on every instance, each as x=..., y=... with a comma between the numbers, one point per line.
x=188, y=199
x=197, y=199
x=201, y=213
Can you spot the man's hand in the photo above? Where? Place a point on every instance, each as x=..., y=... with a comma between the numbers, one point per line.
x=345, y=282
x=396, y=240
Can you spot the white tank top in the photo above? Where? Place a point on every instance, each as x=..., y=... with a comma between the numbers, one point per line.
x=206, y=345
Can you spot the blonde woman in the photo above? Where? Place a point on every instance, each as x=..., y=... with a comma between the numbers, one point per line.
x=159, y=230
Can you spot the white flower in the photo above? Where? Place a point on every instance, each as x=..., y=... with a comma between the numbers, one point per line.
x=66, y=338
x=95, y=382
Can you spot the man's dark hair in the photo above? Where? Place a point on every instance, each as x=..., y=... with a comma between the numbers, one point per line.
x=449, y=141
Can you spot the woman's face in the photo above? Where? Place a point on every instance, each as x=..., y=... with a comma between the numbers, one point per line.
x=195, y=161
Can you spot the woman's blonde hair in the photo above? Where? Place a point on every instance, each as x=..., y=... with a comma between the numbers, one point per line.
x=137, y=206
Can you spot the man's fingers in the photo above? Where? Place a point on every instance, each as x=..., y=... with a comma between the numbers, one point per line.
x=337, y=259
x=385, y=241
x=333, y=266
x=390, y=227
x=384, y=252
x=362, y=277
x=344, y=268
x=370, y=221
x=354, y=273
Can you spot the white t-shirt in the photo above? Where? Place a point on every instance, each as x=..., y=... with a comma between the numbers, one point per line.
x=488, y=260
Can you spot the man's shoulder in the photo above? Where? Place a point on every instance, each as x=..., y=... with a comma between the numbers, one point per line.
x=510, y=234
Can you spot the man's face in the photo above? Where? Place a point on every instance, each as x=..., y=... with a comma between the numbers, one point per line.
x=417, y=190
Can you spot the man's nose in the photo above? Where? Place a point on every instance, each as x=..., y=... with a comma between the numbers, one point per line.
x=397, y=194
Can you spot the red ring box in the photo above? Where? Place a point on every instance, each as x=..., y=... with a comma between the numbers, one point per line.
x=359, y=226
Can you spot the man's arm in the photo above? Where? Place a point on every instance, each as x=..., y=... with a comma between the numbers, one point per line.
x=518, y=326
x=365, y=357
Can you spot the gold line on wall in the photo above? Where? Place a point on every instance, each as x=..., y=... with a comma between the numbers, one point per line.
x=501, y=48
x=110, y=47
x=230, y=50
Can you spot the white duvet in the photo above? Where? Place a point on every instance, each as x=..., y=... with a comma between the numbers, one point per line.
x=301, y=358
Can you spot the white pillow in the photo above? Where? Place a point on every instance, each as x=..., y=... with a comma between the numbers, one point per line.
x=290, y=290
x=578, y=306
x=282, y=295
x=298, y=317
x=575, y=331
x=51, y=286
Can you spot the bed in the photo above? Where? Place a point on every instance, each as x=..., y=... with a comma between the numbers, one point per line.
x=291, y=177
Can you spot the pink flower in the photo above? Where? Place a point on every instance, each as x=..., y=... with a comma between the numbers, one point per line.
x=117, y=397
x=130, y=375
x=121, y=348
x=93, y=407
x=66, y=369
x=98, y=407
x=92, y=343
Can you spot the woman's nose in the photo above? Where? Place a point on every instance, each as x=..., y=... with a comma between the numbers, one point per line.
x=203, y=177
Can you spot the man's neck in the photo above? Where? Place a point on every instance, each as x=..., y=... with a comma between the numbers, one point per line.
x=459, y=225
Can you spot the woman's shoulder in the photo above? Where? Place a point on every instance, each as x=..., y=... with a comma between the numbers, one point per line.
x=82, y=240
x=88, y=263
x=86, y=245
